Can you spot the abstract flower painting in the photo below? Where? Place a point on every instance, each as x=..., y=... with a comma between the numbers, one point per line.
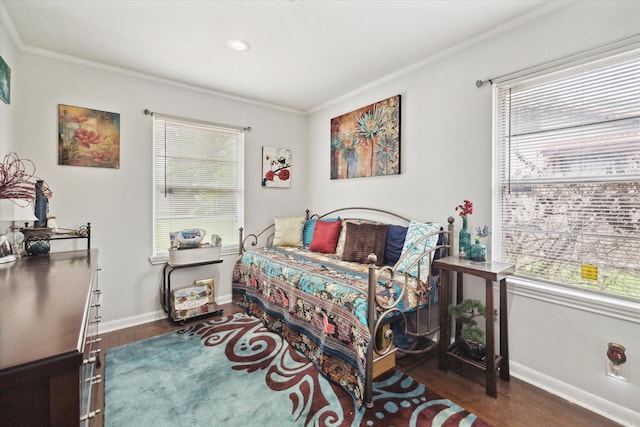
x=88, y=137
x=276, y=167
x=366, y=142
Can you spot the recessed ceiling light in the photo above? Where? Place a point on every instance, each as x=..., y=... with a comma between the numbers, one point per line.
x=239, y=45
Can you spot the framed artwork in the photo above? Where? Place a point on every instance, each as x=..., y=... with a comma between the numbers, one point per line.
x=366, y=142
x=276, y=167
x=5, y=82
x=88, y=137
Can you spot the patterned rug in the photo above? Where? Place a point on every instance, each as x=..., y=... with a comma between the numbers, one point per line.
x=234, y=372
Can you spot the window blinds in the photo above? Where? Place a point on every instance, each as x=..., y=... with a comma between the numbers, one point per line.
x=568, y=175
x=198, y=179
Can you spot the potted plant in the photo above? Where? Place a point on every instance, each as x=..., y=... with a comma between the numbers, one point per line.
x=472, y=340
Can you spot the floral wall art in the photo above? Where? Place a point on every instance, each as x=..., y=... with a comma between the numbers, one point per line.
x=88, y=137
x=366, y=142
x=276, y=167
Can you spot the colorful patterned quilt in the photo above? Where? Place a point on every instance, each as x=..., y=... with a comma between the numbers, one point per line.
x=318, y=303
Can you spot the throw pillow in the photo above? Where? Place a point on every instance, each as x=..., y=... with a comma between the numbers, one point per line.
x=309, y=227
x=364, y=239
x=415, y=232
x=395, y=242
x=343, y=233
x=325, y=236
x=288, y=231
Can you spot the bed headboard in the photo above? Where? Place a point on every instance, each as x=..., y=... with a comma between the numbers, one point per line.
x=265, y=236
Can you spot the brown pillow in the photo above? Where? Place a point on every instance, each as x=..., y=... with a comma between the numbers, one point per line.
x=363, y=239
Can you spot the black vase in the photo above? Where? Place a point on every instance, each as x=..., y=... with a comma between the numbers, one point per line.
x=42, y=206
x=471, y=349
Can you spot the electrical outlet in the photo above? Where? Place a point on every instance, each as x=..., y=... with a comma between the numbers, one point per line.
x=617, y=363
x=620, y=372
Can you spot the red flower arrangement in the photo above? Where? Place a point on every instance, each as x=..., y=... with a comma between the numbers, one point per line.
x=465, y=209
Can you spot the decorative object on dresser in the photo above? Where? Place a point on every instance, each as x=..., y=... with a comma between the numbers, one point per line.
x=337, y=305
x=56, y=299
x=16, y=211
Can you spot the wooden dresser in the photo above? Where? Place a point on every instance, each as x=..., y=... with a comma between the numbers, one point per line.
x=48, y=338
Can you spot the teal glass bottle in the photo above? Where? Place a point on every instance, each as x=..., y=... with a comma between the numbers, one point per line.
x=477, y=252
x=464, y=239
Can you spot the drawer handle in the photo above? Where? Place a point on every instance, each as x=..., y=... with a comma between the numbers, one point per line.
x=88, y=360
x=90, y=415
x=94, y=341
x=96, y=319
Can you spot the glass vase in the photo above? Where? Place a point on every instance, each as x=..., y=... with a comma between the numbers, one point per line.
x=464, y=239
x=477, y=252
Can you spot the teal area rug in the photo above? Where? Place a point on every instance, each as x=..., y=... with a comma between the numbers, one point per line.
x=234, y=372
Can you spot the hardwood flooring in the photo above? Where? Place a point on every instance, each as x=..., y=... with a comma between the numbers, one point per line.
x=518, y=403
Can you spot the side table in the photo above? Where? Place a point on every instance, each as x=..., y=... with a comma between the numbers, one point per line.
x=165, y=298
x=491, y=271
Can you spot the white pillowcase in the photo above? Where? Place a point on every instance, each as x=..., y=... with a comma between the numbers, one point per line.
x=288, y=230
x=414, y=233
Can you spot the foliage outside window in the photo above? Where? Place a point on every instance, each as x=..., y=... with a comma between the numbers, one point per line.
x=567, y=147
x=197, y=179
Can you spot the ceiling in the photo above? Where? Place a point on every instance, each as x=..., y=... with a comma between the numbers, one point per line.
x=304, y=53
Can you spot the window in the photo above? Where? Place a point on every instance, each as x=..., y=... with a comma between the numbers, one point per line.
x=197, y=179
x=567, y=165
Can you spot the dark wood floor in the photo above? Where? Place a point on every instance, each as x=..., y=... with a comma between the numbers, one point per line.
x=518, y=403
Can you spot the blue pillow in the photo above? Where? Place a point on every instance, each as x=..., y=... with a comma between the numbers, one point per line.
x=395, y=242
x=309, y=227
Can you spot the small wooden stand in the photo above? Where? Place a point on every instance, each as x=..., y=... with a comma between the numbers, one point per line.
x=491, y=271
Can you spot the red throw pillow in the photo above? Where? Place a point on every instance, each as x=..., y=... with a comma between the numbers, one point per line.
x=325, y=236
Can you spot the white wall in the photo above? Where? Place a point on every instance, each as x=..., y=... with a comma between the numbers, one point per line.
x=118, y=202
x=446, y=125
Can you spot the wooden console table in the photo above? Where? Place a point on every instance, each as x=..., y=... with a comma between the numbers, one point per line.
x=491, y=271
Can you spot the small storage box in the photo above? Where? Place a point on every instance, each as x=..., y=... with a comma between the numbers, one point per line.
x=193, y=301
x=194, y=255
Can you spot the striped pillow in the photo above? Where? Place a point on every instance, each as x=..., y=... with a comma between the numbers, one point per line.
x=362, y=240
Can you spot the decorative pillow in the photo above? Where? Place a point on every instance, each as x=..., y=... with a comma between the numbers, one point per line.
x=288, y=231
x=414, y=233
x=343, y=233
x=395, y=242
x=309, y=226
x=363, y=239
x=325, y=236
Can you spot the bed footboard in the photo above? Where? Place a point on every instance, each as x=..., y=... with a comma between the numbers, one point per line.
x=381, y=351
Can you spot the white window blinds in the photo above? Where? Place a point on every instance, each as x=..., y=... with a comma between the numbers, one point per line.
x=198, y=179
x=568, y=175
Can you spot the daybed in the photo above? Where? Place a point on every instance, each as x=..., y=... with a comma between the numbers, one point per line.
x=329, y=283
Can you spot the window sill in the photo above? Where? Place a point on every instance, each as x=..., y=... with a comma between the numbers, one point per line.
x=599, y=304
x=163, y=257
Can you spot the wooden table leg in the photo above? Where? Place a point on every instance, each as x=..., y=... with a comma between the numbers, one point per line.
x=490, y=347
x=504, y=332
x=444, y=318
x=459, y=294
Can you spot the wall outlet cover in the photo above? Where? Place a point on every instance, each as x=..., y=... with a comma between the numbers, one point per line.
x=620, y=371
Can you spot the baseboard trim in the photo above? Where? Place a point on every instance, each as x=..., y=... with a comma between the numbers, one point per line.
x=593, y=403
x=141, y=319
